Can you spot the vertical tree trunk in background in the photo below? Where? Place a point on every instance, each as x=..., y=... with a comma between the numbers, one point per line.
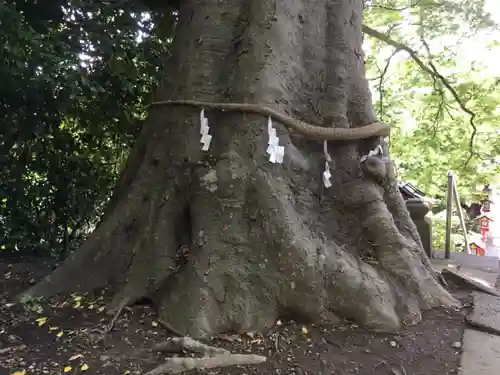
x=224, y=240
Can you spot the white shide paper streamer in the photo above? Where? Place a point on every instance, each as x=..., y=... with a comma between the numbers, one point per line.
x=376, y=151
x=205, y=137
x=326, y=174
x=275, y=151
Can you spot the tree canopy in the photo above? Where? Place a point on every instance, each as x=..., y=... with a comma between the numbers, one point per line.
x=78, y=76
x=444, y=97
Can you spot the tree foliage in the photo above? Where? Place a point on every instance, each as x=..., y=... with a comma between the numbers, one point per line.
x=445, y=118
x=75, y=83
x=77, y=77
x=439, y=89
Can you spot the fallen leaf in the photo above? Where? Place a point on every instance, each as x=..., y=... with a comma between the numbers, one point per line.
x=457, y=345
x=84, y=367
x=60, y=333
x=53, y=328
x=68, y=369
x=41, y=321
x=76, y=356
x=19, y=373
x=154, y=323
x=304, y=330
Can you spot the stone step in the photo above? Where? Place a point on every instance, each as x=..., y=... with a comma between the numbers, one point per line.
x=480, y=354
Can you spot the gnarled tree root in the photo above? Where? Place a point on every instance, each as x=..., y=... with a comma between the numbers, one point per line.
x=178, y=365
x=212, y=357
x=180, y=344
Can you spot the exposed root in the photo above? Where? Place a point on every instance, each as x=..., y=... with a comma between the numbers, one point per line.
x=181, y=344
x=442, y=280
x=212, y=356
x=178, y=365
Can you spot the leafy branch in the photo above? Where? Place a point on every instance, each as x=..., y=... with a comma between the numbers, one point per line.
x=381, y=78
x=394, y=9
x=434, y=73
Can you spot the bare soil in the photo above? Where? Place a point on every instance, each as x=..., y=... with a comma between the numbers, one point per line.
x=28, y=342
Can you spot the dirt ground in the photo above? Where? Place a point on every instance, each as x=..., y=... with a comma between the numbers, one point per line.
x=58, y=337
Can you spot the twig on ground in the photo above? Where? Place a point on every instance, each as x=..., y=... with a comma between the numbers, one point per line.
x=11, y=349
x=377, y=365
x=95, y=339
x=395, y=371
x=181, y=344
x=119, y=310
x=178, y=365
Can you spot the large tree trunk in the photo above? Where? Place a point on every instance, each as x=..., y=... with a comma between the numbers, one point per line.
x=225, y=240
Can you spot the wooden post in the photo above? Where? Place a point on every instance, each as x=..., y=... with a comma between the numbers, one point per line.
x=449, y=207
x=461, y=216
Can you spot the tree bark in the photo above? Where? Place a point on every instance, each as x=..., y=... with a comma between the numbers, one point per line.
x=224, y=240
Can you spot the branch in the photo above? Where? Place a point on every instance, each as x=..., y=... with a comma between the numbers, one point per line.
x=441, y=105
x=434, y=73
x=381, y=80
x=386, y=68
x=392, y=9
x=439, y=112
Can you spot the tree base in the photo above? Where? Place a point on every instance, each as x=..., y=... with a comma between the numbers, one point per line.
x=250, y=247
